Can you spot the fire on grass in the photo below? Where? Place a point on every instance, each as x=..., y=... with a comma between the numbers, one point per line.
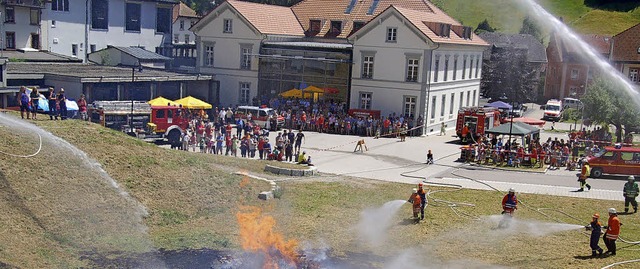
x=257, y=234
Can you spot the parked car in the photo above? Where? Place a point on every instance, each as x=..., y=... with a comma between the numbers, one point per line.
x=571, y=103
x=518, y=110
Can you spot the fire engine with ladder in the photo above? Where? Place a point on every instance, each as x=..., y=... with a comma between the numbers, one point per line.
x=477, y=120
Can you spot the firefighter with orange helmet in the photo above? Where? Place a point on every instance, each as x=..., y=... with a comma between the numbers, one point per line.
x=596, y=230
x=509, y=202
x=423, y=200
x=416, y=201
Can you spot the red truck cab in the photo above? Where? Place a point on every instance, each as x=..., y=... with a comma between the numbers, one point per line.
x=615, y=160
x=168, y=121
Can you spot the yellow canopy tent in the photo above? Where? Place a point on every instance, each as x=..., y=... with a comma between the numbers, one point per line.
x=313, y=89
x=292, y=93
x=161, y=101
x=193, y=103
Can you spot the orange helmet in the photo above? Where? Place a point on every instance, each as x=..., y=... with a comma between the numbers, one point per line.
x=420, y=184
x=596, y=216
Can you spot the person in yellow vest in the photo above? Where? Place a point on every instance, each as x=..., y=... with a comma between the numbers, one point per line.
x=585, y=172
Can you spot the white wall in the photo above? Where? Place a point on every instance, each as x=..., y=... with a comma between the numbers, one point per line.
x=70, y=28
x=72, y=87
x=227, y=55
x=388, y=85
x=186, y=31
x=22, y=27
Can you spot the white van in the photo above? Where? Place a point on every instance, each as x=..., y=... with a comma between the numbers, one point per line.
x=571, y=103
x=260, y=116
x=553, y=110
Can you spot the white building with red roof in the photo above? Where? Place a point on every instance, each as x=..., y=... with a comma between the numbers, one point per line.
x=397, y=56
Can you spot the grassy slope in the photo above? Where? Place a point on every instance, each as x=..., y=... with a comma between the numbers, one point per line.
x=191, y=199
x=580, y=17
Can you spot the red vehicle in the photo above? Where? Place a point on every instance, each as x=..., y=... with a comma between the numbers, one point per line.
x=477, y=120
x=615, y=160
x=167, y=122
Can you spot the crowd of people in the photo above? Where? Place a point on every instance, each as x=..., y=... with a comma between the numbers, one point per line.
x=57, y=103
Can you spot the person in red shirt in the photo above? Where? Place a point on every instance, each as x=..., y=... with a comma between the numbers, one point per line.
x=386, y=125
x=82, y=108
x=228, y=129
x=320, y=123
x=260, y=147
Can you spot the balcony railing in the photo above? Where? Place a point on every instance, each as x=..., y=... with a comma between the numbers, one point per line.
x=26, y=3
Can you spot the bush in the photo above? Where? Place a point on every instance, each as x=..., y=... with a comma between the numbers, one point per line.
x=571, y=114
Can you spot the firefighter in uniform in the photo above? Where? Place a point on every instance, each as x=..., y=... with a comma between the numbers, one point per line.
x=630, y=192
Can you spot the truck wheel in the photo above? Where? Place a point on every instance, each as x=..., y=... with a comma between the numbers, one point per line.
x=173, y=137
x=596, y=172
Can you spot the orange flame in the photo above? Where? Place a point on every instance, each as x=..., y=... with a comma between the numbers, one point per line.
x=257, y=235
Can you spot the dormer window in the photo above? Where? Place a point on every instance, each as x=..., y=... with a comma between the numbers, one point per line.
x=335, y=30
x=357, y=25
x=445, y=30
x=314, y=26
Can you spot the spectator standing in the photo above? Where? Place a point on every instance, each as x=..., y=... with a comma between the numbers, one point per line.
x=23, y=102
x=35, y=97
x=82, y=108
x=299, y=139
x=52, y=104
x=62, y=104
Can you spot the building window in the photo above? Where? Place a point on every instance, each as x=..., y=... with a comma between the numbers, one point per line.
x=314, y=26
x=412, y=70
x=176, y=38
x=357, y=25
x=574, y=74
x=453, y=97
x=92, y=47
x=245, y=91
x=436, y=68
x=455, y=67
x=10, y=40
x=461, y=98
x=99, y=14
x=367, y=66
x=410, y=106
x=208, y=54
x=464, y=66
x=9, y=15
x=365, y=100
x=446, y=67
x=633, y=75
x=433, y=106
x=60, y=5
x=392, y=34
x=181, y=25
x=444, y=102
x=74, y=50
x=336, y=28
x=245, y=58
x=474, y=97
x=132, y=19
x=35, y=41
x=470, y=66
x=590, y=74
x=477, y=66
x=34, y=16
x=228, y=26
x=187, y=39
x=468, y=95
x=163, y=20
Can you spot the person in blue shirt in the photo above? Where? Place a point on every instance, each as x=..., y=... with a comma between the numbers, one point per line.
x=596, y=230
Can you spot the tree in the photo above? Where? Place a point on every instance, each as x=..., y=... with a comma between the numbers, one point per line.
x=201, y=6
x=484, y=27
x=607, y=103
x=508, y=73
x=530, y=27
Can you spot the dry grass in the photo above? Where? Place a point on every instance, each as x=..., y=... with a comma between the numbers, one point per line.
x=55, y=208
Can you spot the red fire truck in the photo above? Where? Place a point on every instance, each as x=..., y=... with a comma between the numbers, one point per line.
x=167, y=122
x=140, y=119
x=477, y=119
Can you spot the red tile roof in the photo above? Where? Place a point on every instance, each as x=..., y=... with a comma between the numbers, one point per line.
x=269, y=19
x=334, y=10
x=182, y=10
x=420, y=19
x=626, y=45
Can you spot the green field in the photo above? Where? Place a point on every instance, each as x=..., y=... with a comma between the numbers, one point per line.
x=507, y=15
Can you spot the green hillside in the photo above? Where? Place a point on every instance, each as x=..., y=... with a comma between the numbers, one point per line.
x=507, y=15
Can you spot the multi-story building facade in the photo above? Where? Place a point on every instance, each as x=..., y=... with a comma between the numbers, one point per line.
x=568, y=72
x=413, y=61
x=229, y=39
x=79, y=27
x=625, y=53
x=21, y=24
x=183, y=18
